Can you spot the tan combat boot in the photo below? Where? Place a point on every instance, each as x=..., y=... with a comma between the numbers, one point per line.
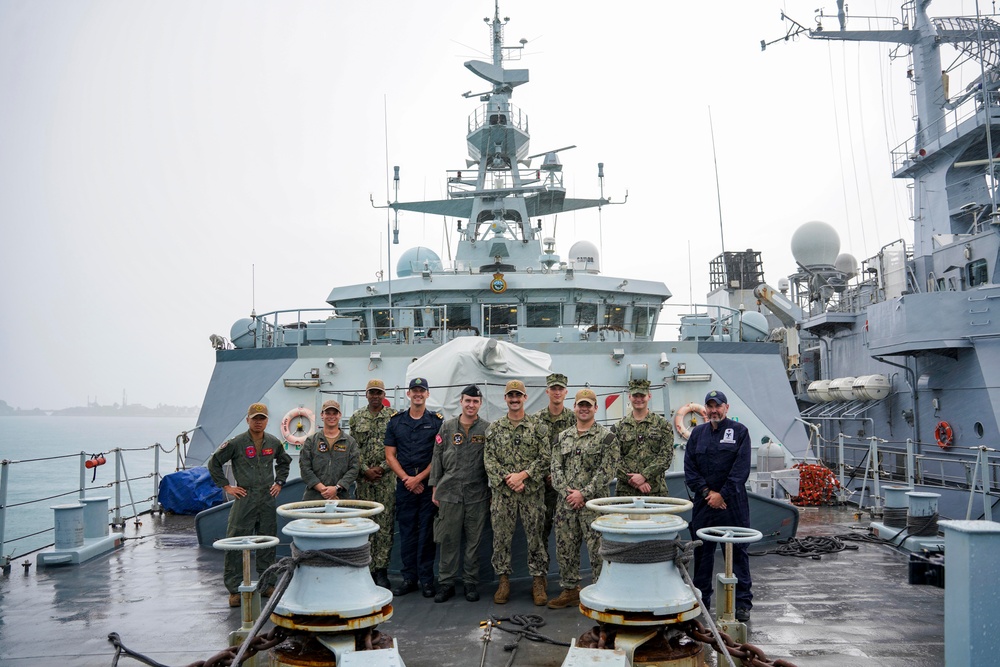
x=570, y=597
x=538, y=592
x=503, y=590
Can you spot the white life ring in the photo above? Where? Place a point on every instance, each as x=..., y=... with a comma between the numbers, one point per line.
x=684, y=411
x=289, y=433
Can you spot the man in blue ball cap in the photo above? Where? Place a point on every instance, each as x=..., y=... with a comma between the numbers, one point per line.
x=409, y=449
x=716, y=468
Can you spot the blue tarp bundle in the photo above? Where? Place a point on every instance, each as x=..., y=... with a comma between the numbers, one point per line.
x=189, y=491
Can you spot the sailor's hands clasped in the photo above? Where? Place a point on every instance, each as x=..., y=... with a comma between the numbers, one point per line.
x=715, y=500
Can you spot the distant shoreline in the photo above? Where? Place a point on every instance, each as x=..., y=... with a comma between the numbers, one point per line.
x=104, y=411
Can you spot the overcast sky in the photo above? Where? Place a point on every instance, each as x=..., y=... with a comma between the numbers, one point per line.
x=165, y=167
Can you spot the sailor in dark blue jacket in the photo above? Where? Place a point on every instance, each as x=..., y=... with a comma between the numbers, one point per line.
x=409, y=448
x=716, y=468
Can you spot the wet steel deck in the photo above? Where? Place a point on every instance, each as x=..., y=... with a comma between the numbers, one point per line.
x=163, y=595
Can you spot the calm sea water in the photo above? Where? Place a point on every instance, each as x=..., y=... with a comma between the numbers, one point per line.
x=44, y=468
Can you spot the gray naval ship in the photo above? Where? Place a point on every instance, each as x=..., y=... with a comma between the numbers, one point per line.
x=508, y=305
x=895, y=360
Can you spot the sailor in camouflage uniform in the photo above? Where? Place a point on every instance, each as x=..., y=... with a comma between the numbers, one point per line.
x=583, y=462
x=645, y=442
x=260, y=466
x=377, y=482
x=517, y=461
x=329, y=460
x=558, y=418
x=462, y=494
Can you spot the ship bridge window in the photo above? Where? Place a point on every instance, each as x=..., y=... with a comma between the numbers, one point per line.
x=499, y=319
x=383, y=323
x=614, y=316
x=976, y=273
x=642, y=319
x=459, y=317
x=544, y=314
x=586, y=315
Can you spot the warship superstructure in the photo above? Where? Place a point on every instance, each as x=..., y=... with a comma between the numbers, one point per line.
x=506, y=305
x=895, y=360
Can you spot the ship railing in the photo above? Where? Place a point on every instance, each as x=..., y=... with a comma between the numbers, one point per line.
x=501, y=182
x=885, y=275
x=972, y=469
x=434, y=325
x=484, y=116
x=19, y=501
x=705, y=322
x=915, y=148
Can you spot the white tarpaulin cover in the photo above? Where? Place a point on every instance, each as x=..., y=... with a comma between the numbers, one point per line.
x=486, y=362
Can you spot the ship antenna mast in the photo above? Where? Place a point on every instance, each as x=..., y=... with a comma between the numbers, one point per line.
x=989, y=133
x=395, y=232
x=718, y=190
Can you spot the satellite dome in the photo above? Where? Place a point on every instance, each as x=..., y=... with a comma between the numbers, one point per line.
x=412, y=261
x=815, y=244
x=847, y=264
x=755, y=327
x=584, y=256
x=243, y=333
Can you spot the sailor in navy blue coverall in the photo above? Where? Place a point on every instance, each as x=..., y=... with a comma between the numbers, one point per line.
x=716, y=468
x=409, y=448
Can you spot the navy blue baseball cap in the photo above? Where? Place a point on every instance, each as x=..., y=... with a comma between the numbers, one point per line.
x=419, y=383
x=716, y=396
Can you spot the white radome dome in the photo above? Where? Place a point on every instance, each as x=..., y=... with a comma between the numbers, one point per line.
x=815, y=243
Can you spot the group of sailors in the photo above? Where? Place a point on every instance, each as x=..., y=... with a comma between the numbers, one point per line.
x=440, y=479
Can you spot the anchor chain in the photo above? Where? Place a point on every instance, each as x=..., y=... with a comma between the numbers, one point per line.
x=226, y=658
x=261, y=642
x=752, y=656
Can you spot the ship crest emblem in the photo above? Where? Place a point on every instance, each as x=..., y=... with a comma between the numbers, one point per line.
x=498, y=285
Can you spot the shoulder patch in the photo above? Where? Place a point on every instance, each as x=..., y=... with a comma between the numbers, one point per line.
x=224, y=444
x=439, y=416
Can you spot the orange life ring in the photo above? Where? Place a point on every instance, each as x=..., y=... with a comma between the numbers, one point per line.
x=944, y=434
x=679, y=426
x=290, y=433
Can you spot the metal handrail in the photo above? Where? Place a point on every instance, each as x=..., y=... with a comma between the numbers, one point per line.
x=137, y=505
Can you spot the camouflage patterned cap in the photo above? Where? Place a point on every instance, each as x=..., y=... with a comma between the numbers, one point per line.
x=375, y=384
x=586, y=396
x=556, y=380
x=515, y=386
x=256, y=409
x=638, y=387
x=330, y=404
